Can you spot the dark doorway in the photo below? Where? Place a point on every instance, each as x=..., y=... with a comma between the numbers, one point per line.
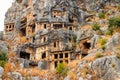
x=83, y=55
x=33, y=28
x=87, y=45
x=61, y=55
x=24, y=55
x=23, y=31
x=56, y=63
x=43, y=55
x=66, y=55
x=55, y=56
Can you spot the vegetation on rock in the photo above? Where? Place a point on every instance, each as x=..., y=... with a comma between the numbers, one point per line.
x=114, y=22
x=101, y=15
x=96, y=26
x=3, y=58
x=98, y=55
x=62, y=69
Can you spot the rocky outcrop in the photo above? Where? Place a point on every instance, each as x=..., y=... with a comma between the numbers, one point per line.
x=106, y=68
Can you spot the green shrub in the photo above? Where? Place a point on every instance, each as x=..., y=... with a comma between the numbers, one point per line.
x=99, y=32
x=96, y=26
x=102, y=41
x=98, y=55
x=2, y=63
x=3, y=56
x=114, y=22
x=61, y=69
x=74, y=38
x=101, y=15
x=103, y=47
x=109, y=32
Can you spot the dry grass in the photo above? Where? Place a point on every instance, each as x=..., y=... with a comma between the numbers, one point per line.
x=72, y=75
x=90, y=59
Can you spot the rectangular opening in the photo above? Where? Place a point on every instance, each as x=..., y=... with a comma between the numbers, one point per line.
x=70, y=28
x=54, y=44
x=83, y=55
x=56, y=56
x=45, y=26
x=33, y=28
x=13, y=26
x=43, y=55
x=24, y=55
x=66, y=55
x=23, y=31
x=56, y=63
x=87, y=45
x=61, y=55
x=10, y=26
x=61, y=61
x=44, y=39
x=57, y=26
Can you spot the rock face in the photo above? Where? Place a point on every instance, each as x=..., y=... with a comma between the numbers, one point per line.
x=42, y=65
x=106, y=68
x=93, y=5
x=3, y=47
x=114, y=41
x=1, y=71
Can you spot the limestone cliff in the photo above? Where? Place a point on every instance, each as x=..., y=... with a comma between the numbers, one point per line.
x=44, y=34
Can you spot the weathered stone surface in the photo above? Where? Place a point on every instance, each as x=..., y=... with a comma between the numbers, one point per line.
x=42, y=65
x=3, y=46
x=21, y=65
x=114, y=41
x=16, y=76
x=35, y=78
x=67, y=78
x=1, y=71
x=94, y=40
x=106, y=68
